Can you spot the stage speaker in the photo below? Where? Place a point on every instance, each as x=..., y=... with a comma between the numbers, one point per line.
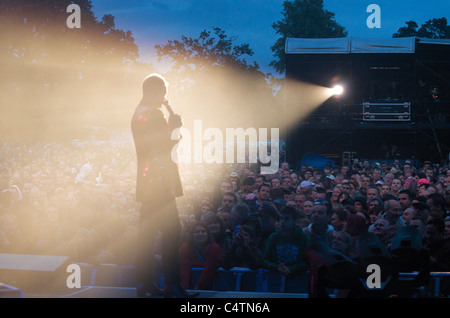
x=34, y=272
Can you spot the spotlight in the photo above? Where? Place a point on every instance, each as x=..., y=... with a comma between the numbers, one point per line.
x=337, y=90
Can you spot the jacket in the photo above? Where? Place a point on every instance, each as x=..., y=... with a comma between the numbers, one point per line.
x=157, y=174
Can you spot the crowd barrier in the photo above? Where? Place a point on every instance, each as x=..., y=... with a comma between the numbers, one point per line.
x=239, y=279
x=438, y=286
x=235, y=279
x=111, y=275
x=261, y=280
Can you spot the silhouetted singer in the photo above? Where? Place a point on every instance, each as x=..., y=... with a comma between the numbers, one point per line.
x=158, y=184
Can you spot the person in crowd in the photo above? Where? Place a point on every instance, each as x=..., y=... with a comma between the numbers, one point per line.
x=307, y=207
x=285, y=250
x=409, y=184
x=434, y=235
x=396, y=186
x=217, y=228
x=422, y=185
x=366, y=181
x=409, y=214
x=372, y=192
x=336, y=192
x=385, y=189
x=320, y=228
x=439, y=247
x=355, y=225
x=405, y=197
x=295, y=179
x=268, y=220
x=382, y=229
x=263, y=194
x=345, y=169
x=377, y=175
x=239, y=213
x=344, y=198
x=289, y=196
x=360, y=204
x=275, y=182
x=437, y=205
x=418, y=223
x=260, y=179
x=338, y=220
x=349, y=187
x=225, y=215
x=229, y=199
x=286, y=182
x=322, y=254
x=243, y=252
x=319, y=192
x=393, y=214
x=388, y=178
x=200, y=251
x=422, y=208
x=375, y=209
x=343, y=243
x=235, y=182
x=300, y=200
x=447, y=228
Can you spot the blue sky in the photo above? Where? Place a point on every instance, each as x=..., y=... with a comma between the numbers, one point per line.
x=157, y=21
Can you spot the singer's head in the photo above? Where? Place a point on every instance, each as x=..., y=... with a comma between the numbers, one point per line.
x=154, y=90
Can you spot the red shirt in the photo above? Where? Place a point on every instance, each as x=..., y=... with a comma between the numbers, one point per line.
x=209, y=259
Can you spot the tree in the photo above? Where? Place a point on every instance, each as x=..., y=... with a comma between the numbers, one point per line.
x=54, y=74
x=303, y=19
x=433, y=29
x=211, y=77
x=409, y=30
x=191, y=57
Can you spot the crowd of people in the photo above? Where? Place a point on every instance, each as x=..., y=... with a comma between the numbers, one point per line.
x=78, y=199
x=72, y=198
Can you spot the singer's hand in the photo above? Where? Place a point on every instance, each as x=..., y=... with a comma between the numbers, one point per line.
x=175, y=121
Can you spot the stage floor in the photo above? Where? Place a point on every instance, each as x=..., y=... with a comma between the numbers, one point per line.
x=128, y=292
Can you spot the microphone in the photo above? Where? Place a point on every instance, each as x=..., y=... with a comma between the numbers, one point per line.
x=168, y=107
x=175, y=119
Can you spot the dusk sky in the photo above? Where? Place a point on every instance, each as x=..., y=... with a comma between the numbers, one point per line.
x=157, y=21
